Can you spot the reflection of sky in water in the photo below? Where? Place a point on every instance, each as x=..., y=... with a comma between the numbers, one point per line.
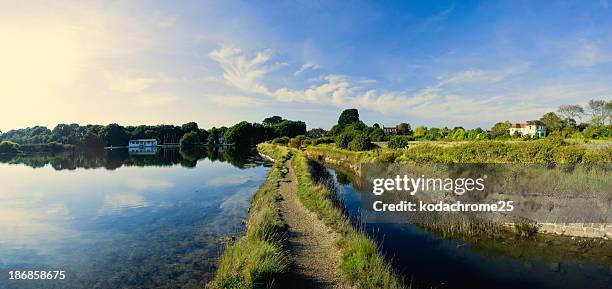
x=91, y=218
x=432, y=262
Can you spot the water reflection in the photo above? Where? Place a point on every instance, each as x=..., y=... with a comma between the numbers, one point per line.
x=431, y=260
x=115, y=219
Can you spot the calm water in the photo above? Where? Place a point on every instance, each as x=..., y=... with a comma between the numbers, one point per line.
x=429, y=261
x=122, y=219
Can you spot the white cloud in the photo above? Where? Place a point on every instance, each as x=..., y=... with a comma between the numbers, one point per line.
x=306, y=66
x=483, y=76
x=242, y=72
x=471, y=96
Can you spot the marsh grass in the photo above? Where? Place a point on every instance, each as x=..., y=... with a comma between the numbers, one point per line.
x=258, y=258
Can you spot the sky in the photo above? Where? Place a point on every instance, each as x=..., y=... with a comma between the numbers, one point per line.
x=433, y=63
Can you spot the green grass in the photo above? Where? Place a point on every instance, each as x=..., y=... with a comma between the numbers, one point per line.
x=361, y=263
x=532, y=152
x=258, y=258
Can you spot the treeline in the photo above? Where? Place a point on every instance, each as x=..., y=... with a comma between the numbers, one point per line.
x=64, y=136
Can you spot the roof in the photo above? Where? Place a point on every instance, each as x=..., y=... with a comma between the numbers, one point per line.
x=529, y=122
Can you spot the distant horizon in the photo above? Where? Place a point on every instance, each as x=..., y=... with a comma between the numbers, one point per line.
x=437, y=64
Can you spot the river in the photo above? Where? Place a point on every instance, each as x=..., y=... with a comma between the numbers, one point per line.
x=428, y=260
x=119, y=219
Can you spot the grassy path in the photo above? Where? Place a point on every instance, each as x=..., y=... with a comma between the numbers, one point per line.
x=315, y=258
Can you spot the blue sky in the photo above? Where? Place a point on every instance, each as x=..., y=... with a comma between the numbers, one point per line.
x=436, y=63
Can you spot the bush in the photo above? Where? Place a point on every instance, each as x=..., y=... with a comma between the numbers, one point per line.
x=9, y=147
x=343, y=139
x=398, y=142
x=360, y=142
x=322, y=140
x=281, y=140
x=295, y=142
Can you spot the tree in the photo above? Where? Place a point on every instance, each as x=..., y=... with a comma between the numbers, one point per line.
x=240, y=134
x=404, y=129
x=600, y=110
x=552, y=122
x=190, y=126
x=290, y=128
x=268, y=121
x=189, y=139
x=420, y=131
x=377, y=134
x=501, y=129
x=570, y=111
x=115, y=135
x=348, y=116
x=376, y=125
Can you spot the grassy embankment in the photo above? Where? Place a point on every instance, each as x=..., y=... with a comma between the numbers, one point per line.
x=258, y=258
x=532, y=152
x=545, y=151
x=361, y=263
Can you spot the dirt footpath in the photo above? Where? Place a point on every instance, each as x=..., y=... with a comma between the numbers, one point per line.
x=314, y=256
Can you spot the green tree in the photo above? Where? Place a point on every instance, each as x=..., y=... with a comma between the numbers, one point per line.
x=420, y=131
x=189, y=139
x=190, y=126
x=240, y=134
x=268, y=121
x=501, y=129
x=552, y=122
x=115, y=135
x=348, y=116
x=377, y=134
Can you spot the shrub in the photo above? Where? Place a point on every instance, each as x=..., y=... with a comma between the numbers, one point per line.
x=322, y=140
x=360, y=142
x=343, y=139
x=9, y=147
x=281, y=140
x=398, y=142
x=295, y=142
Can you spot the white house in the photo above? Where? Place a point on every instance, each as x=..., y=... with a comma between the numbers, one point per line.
x=531, y=127
x=392, y=130
x=139, y=143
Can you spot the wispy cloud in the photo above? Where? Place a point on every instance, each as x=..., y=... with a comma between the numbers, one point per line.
x=305, y=67
x=444, y=100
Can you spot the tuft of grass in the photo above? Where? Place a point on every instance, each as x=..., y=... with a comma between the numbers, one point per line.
x=361, y=262
x=258, y=258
